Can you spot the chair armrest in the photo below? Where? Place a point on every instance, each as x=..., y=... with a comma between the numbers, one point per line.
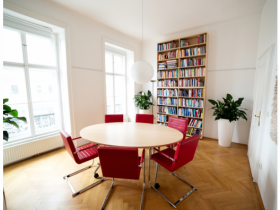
x=164, y=154
x=76, y=138
x=84, y=149
x=142, y=158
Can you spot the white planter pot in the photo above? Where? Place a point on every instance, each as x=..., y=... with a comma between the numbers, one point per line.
x=225, y=132
x=144, y=111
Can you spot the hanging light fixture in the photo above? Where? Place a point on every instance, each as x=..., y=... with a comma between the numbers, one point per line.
x=142, y=71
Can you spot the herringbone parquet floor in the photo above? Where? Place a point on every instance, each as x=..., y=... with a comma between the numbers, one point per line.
x=222, y=176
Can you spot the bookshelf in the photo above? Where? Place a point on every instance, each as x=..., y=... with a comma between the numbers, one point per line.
x=181, y=81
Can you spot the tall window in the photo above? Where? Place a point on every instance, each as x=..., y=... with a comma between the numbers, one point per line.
x=115, y=65
x=31, y=82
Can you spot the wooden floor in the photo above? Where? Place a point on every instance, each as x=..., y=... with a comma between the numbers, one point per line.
x=222, y=176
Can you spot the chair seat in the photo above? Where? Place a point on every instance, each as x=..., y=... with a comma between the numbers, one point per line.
x=164, y=161
x=85, y=147
x=87, y=154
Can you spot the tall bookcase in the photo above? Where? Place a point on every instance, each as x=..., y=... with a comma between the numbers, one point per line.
x=181, y=87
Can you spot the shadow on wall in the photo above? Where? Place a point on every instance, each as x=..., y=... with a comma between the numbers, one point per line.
x=270, y=188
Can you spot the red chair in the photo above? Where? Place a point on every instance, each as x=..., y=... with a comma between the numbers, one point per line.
x=173, y=160
x=122, y=163
x=145, y=118
x=179, y=124
x=111, y=118
x=80, y=155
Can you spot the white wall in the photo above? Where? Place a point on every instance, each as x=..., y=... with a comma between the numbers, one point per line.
x=231, y=66
x=86, y=58
x=267, y=178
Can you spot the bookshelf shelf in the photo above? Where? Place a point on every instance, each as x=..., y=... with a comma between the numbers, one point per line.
x=169, y=78
x=191, y=77
x=168, y=59
x=168, y=96
x=191, y=45
x=194, y=56
x=190, y=87
x=169, y=50
x=185, y=67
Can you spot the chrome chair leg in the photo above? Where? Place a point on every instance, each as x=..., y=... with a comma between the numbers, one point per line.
x=182, y=198
x=103, y=205
x=156, y=173
x=74, y=193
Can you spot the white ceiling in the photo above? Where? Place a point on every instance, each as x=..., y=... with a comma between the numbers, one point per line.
x=161, y=17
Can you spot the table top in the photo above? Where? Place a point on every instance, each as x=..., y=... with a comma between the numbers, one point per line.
x=129, y=134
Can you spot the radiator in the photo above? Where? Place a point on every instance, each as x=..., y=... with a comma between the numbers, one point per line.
x=16, y=153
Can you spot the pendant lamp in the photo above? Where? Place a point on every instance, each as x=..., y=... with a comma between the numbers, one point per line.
x=142, y=71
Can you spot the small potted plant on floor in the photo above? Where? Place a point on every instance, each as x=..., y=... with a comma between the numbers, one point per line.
x=142, y=101
x=227, y=113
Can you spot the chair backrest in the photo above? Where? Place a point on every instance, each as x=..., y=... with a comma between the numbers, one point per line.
x=111, y=118
x=68, y=142
x=145, y=118
x=179, y=124
x=185, y=151
x=119, y=162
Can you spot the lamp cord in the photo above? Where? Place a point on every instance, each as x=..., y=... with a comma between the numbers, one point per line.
x=142, y=31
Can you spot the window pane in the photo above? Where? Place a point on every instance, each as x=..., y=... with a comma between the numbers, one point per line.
x=109, y=86
x=120, y=86
x=24, y=128
x=120, y=102
x=119, y=65
x=14, y=87
x=40, y=50
x=120, y=105
x=110, y=105
x=108, y=62
x=46, y=116
x=43, y=84
x=12, y=48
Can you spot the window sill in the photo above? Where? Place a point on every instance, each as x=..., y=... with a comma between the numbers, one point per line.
x=15, y=143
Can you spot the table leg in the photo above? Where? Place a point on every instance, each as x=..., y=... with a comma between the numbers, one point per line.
x=149, y=163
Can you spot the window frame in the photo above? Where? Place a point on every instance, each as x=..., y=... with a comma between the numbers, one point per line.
x=26, y=67
x=121, y=53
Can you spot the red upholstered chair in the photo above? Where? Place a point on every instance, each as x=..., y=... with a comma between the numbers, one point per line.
x=80, y=155
x=145, y=118
x=111, y=118
x=122, y=163
x=175, y=159
x=179, y=124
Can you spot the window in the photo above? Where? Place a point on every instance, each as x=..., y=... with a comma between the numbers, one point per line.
x=115, y=68
x=31, y=82
x=14, y=89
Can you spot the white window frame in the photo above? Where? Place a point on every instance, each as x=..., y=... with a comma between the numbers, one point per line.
x=118, y=52
x=25, y=65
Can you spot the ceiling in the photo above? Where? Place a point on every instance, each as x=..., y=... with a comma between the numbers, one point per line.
x=161, y=17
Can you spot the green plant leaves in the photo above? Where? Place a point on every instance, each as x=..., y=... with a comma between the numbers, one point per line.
x=228, y=109
x=7, y=108
x=5, y=100
x=212, y=101
x=142, y=100
x=8, y=111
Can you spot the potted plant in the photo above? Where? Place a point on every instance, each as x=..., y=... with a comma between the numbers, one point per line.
x=227, y=113
x=142, y=101
x=10, y=116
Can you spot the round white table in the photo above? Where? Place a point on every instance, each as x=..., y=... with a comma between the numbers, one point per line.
x=129, y=134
